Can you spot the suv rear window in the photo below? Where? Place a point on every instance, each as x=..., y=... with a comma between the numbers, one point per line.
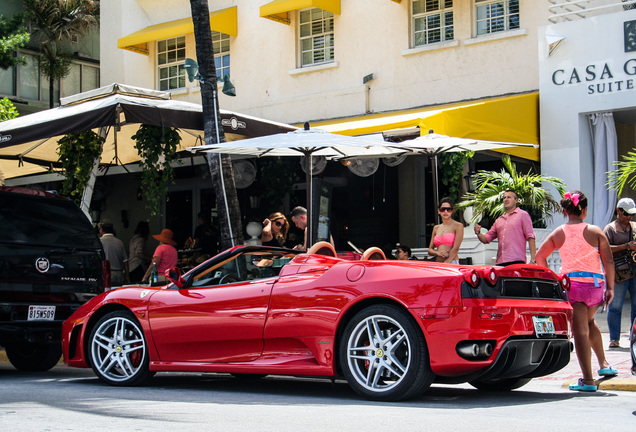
x=45, y=221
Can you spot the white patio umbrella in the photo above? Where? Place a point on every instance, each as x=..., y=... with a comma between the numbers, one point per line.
x=309, y=143
x=433, y=144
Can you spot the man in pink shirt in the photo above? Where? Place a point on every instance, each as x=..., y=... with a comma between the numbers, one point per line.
x=512, y=229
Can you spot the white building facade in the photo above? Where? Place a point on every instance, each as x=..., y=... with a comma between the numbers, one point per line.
x=337, y=63
x=419, y=52
x=587, y=64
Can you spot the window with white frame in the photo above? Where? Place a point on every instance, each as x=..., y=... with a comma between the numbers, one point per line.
x=316, y=37
x=171, y=54
x=27, y=81
x=496, y=15
x=221, y=46
x=432, y=21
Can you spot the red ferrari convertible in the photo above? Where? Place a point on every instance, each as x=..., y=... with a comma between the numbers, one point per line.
x=391, y=328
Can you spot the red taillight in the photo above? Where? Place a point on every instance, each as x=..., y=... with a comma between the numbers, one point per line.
x=564, y=280
x=490, y=275
x=107, y=281
x=471, y=277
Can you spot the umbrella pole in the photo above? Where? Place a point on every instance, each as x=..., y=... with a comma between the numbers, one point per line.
x=435, y=189
x=309, y=203
x=218, y=140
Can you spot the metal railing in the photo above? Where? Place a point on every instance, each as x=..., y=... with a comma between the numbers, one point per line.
x=569, y=10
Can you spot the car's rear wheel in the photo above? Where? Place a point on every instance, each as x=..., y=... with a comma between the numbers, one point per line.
x=383, y=354
x=33, y=357
x=118, y=352
x=500, y=385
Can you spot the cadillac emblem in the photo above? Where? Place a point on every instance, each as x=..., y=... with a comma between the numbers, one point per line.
x=42, y=265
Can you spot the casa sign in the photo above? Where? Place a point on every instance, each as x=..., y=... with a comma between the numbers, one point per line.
x=598, y=78
x=604, y=77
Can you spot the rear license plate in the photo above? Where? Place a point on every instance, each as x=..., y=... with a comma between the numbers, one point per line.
x=543, y=326
x=41, y=313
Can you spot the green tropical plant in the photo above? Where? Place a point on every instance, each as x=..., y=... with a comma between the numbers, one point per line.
x=157, y=147
x=54, y=23
x=13, y=35
x=452, y=165
x=7, y=110
x=533, y=197
x=624, y=175
x=78, y=152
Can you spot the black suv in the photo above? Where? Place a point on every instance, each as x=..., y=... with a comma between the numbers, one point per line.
x=51, y=262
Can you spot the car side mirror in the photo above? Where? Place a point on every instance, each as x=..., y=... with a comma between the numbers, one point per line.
x=174, y=276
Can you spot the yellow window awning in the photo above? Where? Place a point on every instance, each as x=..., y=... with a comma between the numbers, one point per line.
x=222, y=21
x=278, y=10
x=505, y=119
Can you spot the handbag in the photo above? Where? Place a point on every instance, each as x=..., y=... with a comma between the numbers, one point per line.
x=623, y=269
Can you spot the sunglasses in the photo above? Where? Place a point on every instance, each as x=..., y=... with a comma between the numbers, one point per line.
x=279, y=224
x=446, y=209
x=625, y=213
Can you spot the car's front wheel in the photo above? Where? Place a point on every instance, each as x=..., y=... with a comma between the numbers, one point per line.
x=383, y=354
x=33, y=357
x=118, y=352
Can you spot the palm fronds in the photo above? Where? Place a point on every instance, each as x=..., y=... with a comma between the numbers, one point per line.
x=624, y=175
x=533, y=197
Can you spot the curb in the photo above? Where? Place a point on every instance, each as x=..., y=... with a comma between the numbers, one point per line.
x=619, y=384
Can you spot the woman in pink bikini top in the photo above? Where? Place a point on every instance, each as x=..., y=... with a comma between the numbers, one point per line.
x=447, y=236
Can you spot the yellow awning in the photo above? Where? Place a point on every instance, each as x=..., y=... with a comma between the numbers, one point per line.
x=222, y=21
x=278, y=10
x=505, y=119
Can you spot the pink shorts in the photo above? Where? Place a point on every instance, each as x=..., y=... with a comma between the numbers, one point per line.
x=587, y=292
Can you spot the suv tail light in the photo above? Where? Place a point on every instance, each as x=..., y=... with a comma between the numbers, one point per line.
x=107, y=282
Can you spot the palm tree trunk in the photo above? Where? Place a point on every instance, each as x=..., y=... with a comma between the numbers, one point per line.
x=220, y=166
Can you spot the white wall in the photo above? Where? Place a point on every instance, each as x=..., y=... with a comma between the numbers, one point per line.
x=371, y=37
x=591, y=45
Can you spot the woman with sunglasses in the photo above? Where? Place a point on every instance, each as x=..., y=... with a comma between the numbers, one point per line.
x=447, y=236
x=620, y=235
x=275, y=229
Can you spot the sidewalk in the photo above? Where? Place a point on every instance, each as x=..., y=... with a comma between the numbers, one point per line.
x=619, y=358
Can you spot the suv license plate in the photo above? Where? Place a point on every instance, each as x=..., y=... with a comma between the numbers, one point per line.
x=41, y=313
x=543, y=326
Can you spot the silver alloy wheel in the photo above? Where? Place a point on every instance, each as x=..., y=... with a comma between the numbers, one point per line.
x=118, y=349
x=378, y=353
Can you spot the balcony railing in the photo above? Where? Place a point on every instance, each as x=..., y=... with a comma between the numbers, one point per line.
x=570, y=10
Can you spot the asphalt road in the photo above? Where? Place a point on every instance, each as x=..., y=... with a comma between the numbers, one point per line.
x=66, y=399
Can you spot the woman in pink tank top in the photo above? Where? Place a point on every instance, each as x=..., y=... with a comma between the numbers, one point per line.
x=582, y=247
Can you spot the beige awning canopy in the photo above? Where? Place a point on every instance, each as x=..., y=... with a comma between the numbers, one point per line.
x=278, y=10
x=29, y=144
x=223, y=21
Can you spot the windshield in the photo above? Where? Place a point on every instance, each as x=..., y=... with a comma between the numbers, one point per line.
x=241, y=267
x=45, y=221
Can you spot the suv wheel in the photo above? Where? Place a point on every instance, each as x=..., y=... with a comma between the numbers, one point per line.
x=31, y=357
